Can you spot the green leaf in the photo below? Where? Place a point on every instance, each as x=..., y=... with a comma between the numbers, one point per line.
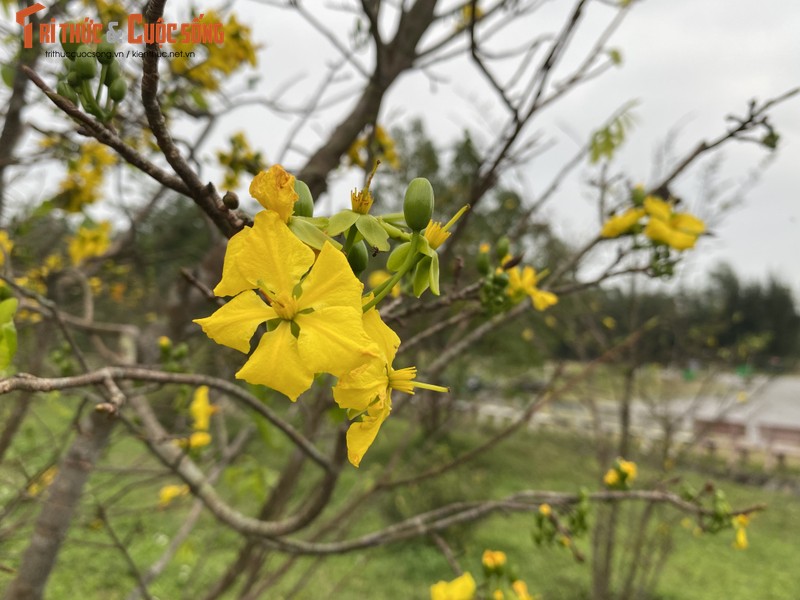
x=422, y=276
x=309, y=234
x=373, y=233
x=398, y=257
x=434, y=275
x=341, y=221
x=8, y=309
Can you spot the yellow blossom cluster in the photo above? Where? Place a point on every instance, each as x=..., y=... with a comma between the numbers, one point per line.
x=622, y=474
x=493, y=560
x=240, y=159
x=6, y=246
x=84, y=178
x=42, y=482
x=221, y=59
x=460, y=588
x=379, y=143
x=678, y=230
x=201, y=410
x=89, y=242
x=312, y=306
x=740, y=523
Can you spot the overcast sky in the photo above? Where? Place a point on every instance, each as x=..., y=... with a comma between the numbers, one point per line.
x=687, y=63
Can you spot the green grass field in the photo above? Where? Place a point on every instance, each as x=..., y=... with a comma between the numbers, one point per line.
x=90, y=566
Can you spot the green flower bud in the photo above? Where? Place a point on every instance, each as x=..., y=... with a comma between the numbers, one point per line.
x=73, y=80
x=483, y=263
x=502, y=247
x=105, y=52
x=118, y=89
x=85, y=66
x=70, y=48
x=64, y=89
x=113, y=72
x=358, y=257
x=304, y=207
x=418, y=204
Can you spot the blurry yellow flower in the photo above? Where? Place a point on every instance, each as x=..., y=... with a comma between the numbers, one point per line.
x=741, y=521
x=164, y=342
x=609, y=323
x=42, y=482
x=381, y=145
x=274, y=190
x=611, y=478
x=498, y=595
x=677, y=230
x=84, y=176
x=523, y=283
x=622, y=223
x=629, y=468
x=6, y=245
x=197, y=440
x=201, y=409
x=461, y=588
x=484, y=248
x=527, y=334
x=545, y=510
x=89, y=242
x=740, y=543
x=493, y=559
x=521, y=590
x=378, y=277
x=169, y=492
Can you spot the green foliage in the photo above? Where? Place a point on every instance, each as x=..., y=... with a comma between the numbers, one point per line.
x=8, y=332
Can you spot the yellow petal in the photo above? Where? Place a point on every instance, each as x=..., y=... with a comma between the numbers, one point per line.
x=233, y=280
x=362, y=433
x=461, y=588
x=332, y=340
x=357, y=389
x=657, y=208
x=381, y=334
x=686, y=223
x=274, y=190
x=201, y=409
x=234, y=324
x=276, y=363
x=621, y=224
x=273, y=255
x=331, y=282
x=543, y=300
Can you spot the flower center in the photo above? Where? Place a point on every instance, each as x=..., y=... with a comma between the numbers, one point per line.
x=285, y=305
x=402, y=380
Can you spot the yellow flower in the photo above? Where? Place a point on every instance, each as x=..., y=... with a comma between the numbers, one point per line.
x=6, y=245
x=740, y=543
x=677, y=230
x=609, y=322
x=629, y=468
x=621, y=224
x=169, y=492
x=84, y=176
x=201, y=409
x=484, y=248
x=527, y=334
x=461, y=588
x=545, y=510
x=89, y=242
x=498, y=595
x=493, y=559
x=523, y=283
x=611, y=478
x=313, y=318
x=197, y=440
x=521, y=590
x=274, y=190
x=361, y=202
x=378, y=277
x=741, y=521
x=436, y=234
x=164, y=342
x=366, y=391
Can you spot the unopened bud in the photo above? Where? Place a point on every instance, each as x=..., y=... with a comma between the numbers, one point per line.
x=231, y=200
x=418, y=204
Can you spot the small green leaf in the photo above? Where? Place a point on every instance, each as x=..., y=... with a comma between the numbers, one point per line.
x=398, y=257
x=309, y=234
x=341, y=221
x=373, y=233
x=422, y=276
x=434, y=275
